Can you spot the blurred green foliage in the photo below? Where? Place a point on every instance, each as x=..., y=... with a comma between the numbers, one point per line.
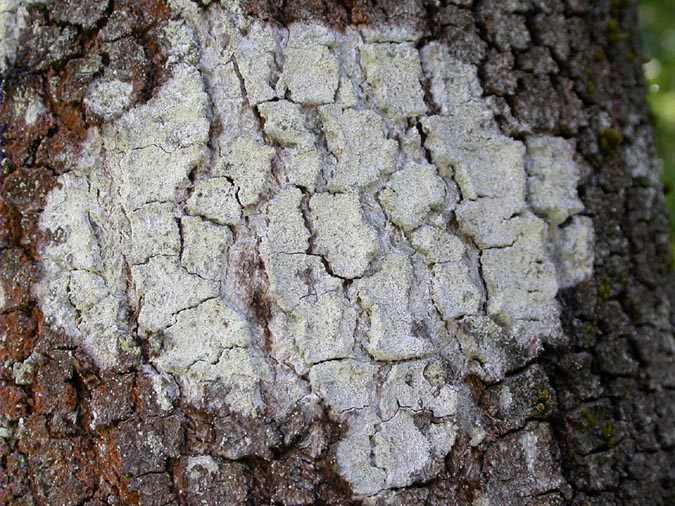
x=657, y=18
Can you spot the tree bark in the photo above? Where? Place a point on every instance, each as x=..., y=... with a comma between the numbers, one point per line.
x=316, y=252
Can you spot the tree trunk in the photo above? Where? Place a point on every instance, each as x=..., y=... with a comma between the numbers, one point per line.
x=317, y=252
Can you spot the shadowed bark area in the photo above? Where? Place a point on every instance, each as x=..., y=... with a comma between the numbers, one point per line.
x=582, y=417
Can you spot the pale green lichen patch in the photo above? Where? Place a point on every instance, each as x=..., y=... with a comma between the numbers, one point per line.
x=437, y=245
x=164, y=387
x=356, y=139
x=205, y=462
x=180, y=104
x=205, y=247
x=310, y=75
x=401, y=450
x=66, y=216
x=295, y=234
x=492, y=223
x=74, y=281
x=324, y=329
x=255, y=61
x=520, y=279
x=295, y=277
x=286, y=231
x=239, y=373
x=346, y=95
x=490, y=349
x=344, y=384
x=249, y=164
x=167, y=289
x=285, y=123
x=485, y=164
x=316, y=321
x=201, y=334
x=406, y=386
x=394, y=72
x=154, y=231
x=342, y=235
x=411, y=193
x=385, y=296
x=215, y=199
x=355, y=456
x=439, y=143
x=379, y=454
x=97, y=306
x=22, y=372
x=408, y=31
x=553, y=178
x=491, y=168
x=124, y=216
x=575, y=251
x=303, y=166
x=455, y=290
x=310, y=34
x=146, y=162
x=457, y=91
x=180, y=43
x=88, y=289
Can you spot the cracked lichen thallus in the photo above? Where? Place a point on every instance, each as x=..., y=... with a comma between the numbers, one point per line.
x=398, y=241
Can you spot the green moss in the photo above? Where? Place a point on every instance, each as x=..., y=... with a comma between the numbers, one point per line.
x=599, y=56
x=128, y=345
x=591, y=85
x=590, y=419
x=544, y=402
x=605, y=289
x=609, y=434
x=592, y=422
x=6, y=168
x=587, y=334
x=615, y=34
x=589, y=329
x=610, y=139
x=625, y=278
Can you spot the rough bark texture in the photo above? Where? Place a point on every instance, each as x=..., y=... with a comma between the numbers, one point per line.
x=316, y=252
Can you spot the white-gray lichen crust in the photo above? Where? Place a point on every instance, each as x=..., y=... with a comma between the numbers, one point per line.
x=278, y=166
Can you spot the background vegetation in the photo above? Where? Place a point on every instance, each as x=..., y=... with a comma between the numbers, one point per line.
x=658, y=33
